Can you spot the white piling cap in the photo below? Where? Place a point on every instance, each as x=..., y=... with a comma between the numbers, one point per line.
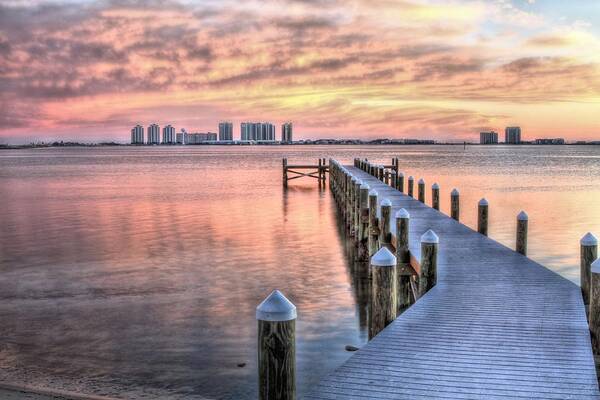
x=596, y=267
x=435, y=186
x=430, y=237
x=364, y=186
x=589, y=240
x=522, y=216
x=402, y=213
x=401, y=174
x=386, y=203
x=276, y=307
x=421, y=181
x=455, y=192
x=483, y=202
x=358, y=182
x=383, y=258
x=410, y=178
x=373, y=192
x=353, y=179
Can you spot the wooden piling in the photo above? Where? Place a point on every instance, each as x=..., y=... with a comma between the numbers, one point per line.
x=594, y=317
x=393, y=179
x=411, y=186
x=522, y=225
x=383, y=291
x=276, y=317
x=381, y=171
x=385, y=230
x=404, y=270
x=422, y=190
x=589, y=253
x=428, y=268
x=285, y=177
x=386, y=177
x=482, y=217
x=373, y=223
x=400, y=183
x=435, y=196
x=363, y=227
x=356, y=210
x=455, y=204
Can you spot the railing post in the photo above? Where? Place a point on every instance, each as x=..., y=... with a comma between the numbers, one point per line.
x=435, y=196
x=363, y=227
x=411, y=186
x=320, y=171
x=455, y=204
x=373, y=223
x=385, y=230
x=401, y=181
x=356, y=210
x=386, y=177
x=428, y=270
x=482, y=217
x=422, y=190
x=381, y=171
x=285, y=177
x=595, y=307
x=403, y=268
x=383, y=291
x=522, y=225
x=393, y=179
x=589, y=253
x=276, y=317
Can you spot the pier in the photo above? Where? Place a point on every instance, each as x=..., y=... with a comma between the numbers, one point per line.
x=318, y=171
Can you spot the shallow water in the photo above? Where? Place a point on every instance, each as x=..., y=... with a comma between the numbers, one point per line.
x=135, y=272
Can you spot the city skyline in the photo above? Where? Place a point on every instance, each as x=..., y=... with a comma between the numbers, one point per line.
x=414, y=68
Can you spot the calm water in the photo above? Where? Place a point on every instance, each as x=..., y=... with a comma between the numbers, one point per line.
x=135, y=272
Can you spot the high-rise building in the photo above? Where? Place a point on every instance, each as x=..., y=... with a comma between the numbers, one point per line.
x=512, y=135
x=490, y=137
x=180, y=137
x=198, y=138
x=137, y=135
x=154, y=134
x=168, y=135
x=257, y=131
x=225, y=131
x=286, y=133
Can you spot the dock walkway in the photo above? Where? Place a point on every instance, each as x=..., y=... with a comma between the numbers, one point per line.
x=496, y=326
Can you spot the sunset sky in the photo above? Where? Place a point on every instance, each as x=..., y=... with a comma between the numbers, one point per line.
x=90, y=70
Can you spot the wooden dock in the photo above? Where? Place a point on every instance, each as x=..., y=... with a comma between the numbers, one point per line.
x=496, y=325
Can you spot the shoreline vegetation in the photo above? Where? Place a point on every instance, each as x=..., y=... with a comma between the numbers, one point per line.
x=348, y=142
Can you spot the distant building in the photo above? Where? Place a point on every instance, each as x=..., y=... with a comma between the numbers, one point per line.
x=550, y=141
x=257, y=131
x=225, y=131
x=286, y=133
x=512, y=135
x=490, y=137
x=168, y=135
x=180, y=137
x=137, y=135
x=198, y=138
x=154, y=134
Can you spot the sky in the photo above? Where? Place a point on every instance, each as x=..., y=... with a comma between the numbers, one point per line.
x=91, y=70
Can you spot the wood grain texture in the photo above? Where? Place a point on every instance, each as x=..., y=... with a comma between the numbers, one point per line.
x=373, y=226
x=482, y=219
x=588, y=254
x=435, y=198
x=428, y=270
x=385, y=225
x=422, y=192
x=277, y=360
x=455, y=207
x=595, y=312
x=383, y=298
x=521, y=242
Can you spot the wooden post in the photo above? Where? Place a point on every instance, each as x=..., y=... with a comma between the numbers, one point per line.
x=455, y=204
x=373, y=223
x=435, y=196
x=386, y=176
x=285, y=177
x=411, y=186
x=320, y=171
x=401, y=181
x=522, y=224
x=356, y=211
x=428, y=270
x=363, y=227
x=403, y=269
x=422, y=190
x=381, y=171
x=589, y=253
x=385, y=230
x=393, y=179
x=383, y=291
x=595, y=307
x=323, y=177
x=482, y=217
x=276, y=317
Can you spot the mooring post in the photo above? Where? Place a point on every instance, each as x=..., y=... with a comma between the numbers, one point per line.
x=594, y=317
x=396, y=165
x=482, y=217
x=435, y=196
x=373, y=223
x=522, y=224
x=363, y=227
x=320, y=171
x=455, y=204
x=411, y=186
x=386, y=231
x=422, y=190
x=589, y=253
x=401, y=182
x=381, y=171
x=356, y=224
x=386, y=176
x=323, y=177
x=403, y=268
x=393, y=179
x=428, y=269
x=383, y=291
x=276, y=317
x=285, y=177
